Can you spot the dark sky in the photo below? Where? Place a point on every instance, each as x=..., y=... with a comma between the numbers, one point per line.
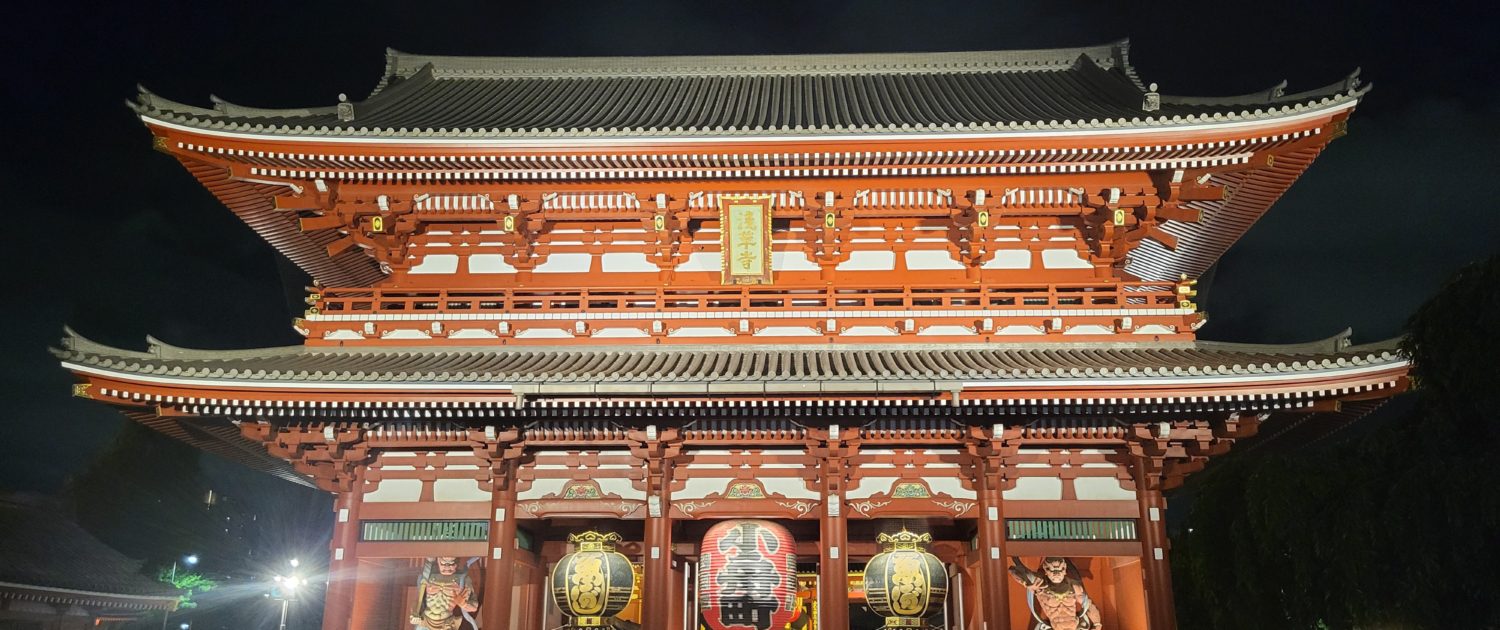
x=118, y=241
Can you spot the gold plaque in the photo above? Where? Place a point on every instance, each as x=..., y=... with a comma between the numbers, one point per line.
x=745, y=238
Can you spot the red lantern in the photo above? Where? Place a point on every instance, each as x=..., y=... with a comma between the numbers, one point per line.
x=747, y=576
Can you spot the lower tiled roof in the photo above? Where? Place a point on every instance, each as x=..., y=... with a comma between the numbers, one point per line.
x=41, y=548
x=727, y=364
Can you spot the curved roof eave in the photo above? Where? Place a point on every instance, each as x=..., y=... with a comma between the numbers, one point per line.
x=1250, y=120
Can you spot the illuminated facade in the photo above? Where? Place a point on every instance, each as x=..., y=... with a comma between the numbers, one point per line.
x=849, y=294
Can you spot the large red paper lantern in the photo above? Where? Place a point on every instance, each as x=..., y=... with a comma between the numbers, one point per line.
x=747, y=576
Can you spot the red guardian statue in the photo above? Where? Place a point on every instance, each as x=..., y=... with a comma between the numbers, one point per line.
x=1057, y=600
x=443, y=593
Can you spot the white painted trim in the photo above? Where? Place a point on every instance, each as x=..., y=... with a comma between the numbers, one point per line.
x=330, y=387
x=1134, y=381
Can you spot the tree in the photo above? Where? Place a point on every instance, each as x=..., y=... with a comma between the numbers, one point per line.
x=1397, y=529
x=143, y=496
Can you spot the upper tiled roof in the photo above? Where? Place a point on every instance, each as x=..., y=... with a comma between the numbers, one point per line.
x=41, y=548
x=477, y=97
x=834, y=366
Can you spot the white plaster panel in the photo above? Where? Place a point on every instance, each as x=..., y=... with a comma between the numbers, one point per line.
x=701, y=331
x=619, y=333
x=1020, y=330
x=626, y=262
x=458, y=490
x=1101, y=489
x=1064, y=259
x=1009, y=259
x=869, y=331
x=1035, y=489
x=931, y=259
x=406, y=334
x=396, y=491
x=789, y=487
x=870, y=486
x=566, y=263
x=702, y=261
x=869, y=261
x=473, y=333
x=622, y=487
x=951, y=486
x=945, y=331
x=541, y=488
x=489, y=263
x=792, y=261
x=700, y=487
x=544, y=333
x=787, y=331
x=1154, y=329
x=1089, y=329
x=436, y=263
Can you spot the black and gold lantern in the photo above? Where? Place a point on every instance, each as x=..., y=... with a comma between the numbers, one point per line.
x=594, y=582
x=904, y=583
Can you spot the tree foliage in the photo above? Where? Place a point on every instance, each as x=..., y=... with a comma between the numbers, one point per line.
x=1397, y=530
x=188, y=582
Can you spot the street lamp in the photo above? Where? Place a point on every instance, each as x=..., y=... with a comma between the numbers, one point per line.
x=190, y=560
x=286, y=590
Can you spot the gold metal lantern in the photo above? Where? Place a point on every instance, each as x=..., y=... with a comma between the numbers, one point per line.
x=904, y=583
x=594, y=582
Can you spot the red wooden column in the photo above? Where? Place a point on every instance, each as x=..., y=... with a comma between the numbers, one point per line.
x=1155, y=563
x=500, y=567
x=343, y=565
x=658, y=449
x=989, y=451
x=833, y=532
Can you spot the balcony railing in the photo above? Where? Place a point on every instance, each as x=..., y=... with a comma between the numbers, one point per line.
x=653, y=300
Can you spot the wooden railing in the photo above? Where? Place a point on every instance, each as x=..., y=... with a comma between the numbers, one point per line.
x=1106, y=295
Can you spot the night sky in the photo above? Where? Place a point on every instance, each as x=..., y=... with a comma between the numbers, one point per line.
x=120, y=242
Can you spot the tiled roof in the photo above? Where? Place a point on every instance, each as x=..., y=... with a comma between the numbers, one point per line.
x=830, y=364
x=41, y=548
x=476, y=97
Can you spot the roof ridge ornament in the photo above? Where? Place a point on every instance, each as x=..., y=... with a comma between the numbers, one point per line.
x=345, y=108
x=1351, y=82
x=1151, y=101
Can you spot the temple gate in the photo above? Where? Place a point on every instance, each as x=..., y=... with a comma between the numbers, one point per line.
x=847, y=296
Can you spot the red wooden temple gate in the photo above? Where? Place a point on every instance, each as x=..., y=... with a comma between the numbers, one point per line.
x=851, y=294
